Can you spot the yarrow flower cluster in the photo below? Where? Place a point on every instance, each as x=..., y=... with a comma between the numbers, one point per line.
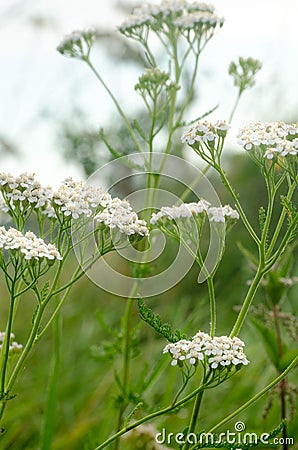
x=198, y=20
x=73, y=200
x=174, y=13
x=182, y=211
x=119, y=214
x=32, y=247
x=205, y=132
x=77, y=44
x=217, y=352
x=218, y=214
x=23, y=191
x=271, y=139
x=187, y=210
x=14, y=347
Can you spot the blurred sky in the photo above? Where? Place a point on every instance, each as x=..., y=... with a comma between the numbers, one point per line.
x=39, y=87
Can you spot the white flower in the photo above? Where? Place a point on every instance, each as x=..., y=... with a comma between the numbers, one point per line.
x=180, y=13
x=182, y=211
x=29, y=245
x=216, y=352
x=205, y=132
x=24, y=191
x=196, y=19
x=218, y=214
x=270, y=138
x=119, y=214
x=230, y=212
x=74, y=199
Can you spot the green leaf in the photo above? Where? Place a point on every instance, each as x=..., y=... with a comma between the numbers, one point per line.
x=155, y=322
x=140, y=130
x=44, y=291
x=270, y=342
x=262, y=218
x=287, y=358
x=187, y=124
x=113, y=152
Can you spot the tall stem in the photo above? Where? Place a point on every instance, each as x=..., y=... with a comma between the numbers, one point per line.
x=194, y=417
x=23, y=357
x=283, y=383
x=247, y=302
x=150, y=417
x=118, y=107
x=238, y=206
x=50, y=413
x=212, y=306
x=280, y=221
x=257, y=396
x=126, y=362
x=5, y=350
x=235, y=106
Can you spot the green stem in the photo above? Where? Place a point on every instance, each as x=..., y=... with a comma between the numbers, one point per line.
x=280, y=221
x=150, y=417
x=285, y=241
x=6, y=344
x=194, y=417
x=238, y=205
x=210, y=285
x=235, y=106
x=194, y=183
x=50, y=413
x=116, y=103
x=255, y=397
x=58, y=307
x=247, y=302
x=283, y=406
x=22, y=359
x=271, y=191
x=126, y=362
x=190, y=91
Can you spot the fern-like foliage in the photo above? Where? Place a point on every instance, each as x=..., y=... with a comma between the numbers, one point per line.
x=155, y=321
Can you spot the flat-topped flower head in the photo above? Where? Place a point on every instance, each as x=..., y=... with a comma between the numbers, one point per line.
x=188, y=210
x=74, y=199
x=29, y=245
x=118, y=215
x=219, y=214
x=184, y=210
x=178, y=351
x=215, y=353
x=23, y=193
x=199, y=6
x=198, y=21
x=270, y=137
x=77, y=44
x=170, y=14
x=205, y=132
x=272, y=141
x=207, y=139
